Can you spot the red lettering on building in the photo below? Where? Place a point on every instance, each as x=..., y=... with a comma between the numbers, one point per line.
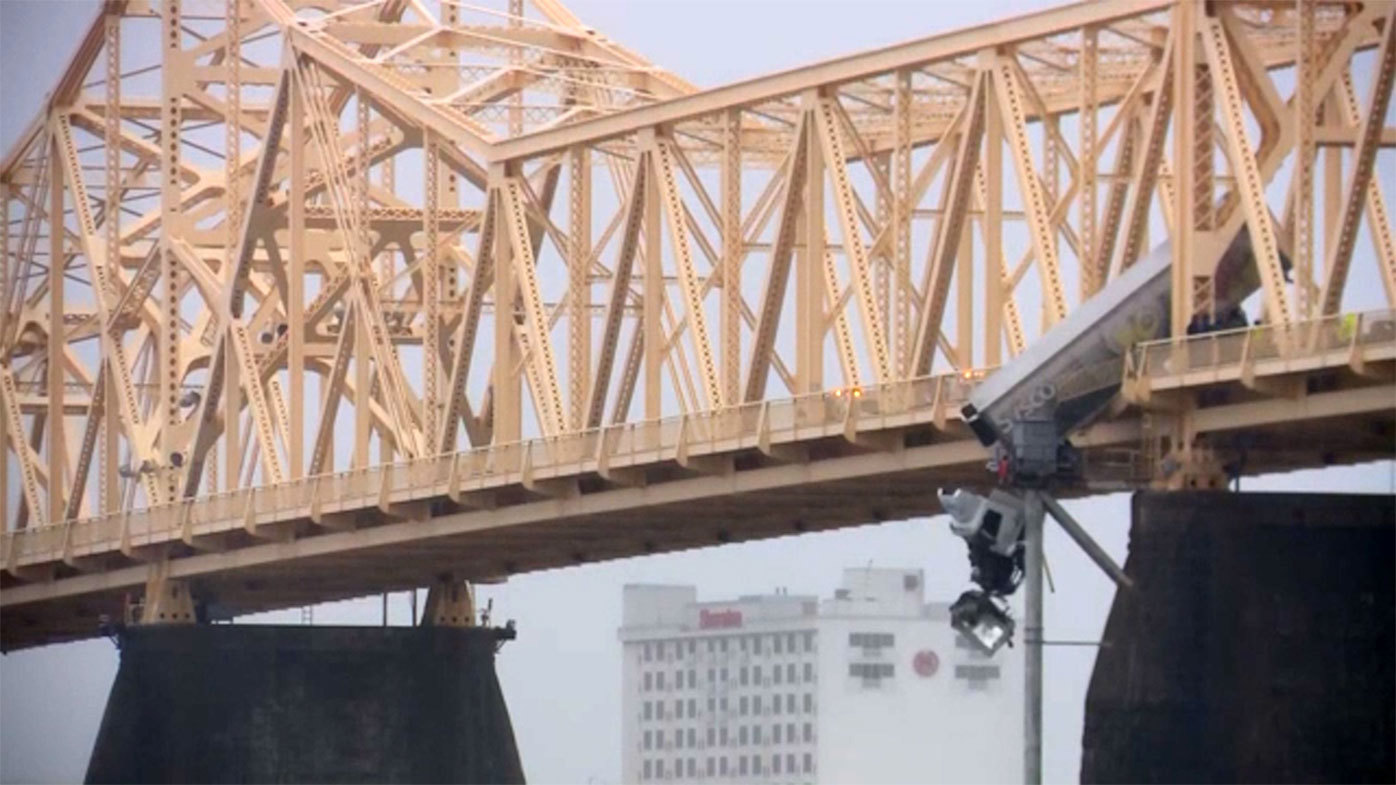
x=709, y=620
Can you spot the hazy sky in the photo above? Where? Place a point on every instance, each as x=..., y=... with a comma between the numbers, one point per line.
x=562, y=676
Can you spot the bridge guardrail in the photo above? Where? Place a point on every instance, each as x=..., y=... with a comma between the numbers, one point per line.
x=825, y=413
x=1244, y=347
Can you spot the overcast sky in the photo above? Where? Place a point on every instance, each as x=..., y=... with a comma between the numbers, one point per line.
x=563, y=673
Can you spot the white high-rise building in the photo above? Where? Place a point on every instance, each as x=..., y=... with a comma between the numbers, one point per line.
x=871, y=685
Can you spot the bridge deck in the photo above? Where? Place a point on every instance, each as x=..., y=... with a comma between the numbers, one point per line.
x=1311, y=395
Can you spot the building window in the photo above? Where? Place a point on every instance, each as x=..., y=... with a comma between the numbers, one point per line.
x=710, y=766
x=649, y=770
x=659, y=680
x=691, y=736
x=710, y=646
x=756, y=675
x=741, y=642
x=692, y=678
x=809, y=641
x=756, y=735
x=678, y=767
x=692, y=708
x=678, y=738
x=648, y=682
x=775, y=763
x=743, y=675
x=649, y=739
x=724, y=675
x=722, y=736
x=712, y=675
x=678, y=680
x=692, y=767
x=691, y=646
x=775, y=705
x=976, y=672
x=659, y=769
x=659, y=709
x=756, y=644
x=722, y=645
x=871, y=640
x=873, y=670
x=649, y=653
x=649, y=710
x=723, y=703
x=809, y=731
x=777, y=643
x=712, y=705
x=742, y=705
x=741, y=736
x=790, y=732
x=756, y=765
x=790, y=642
x=678, y=708
x=741, y=765
x=809, y=702
x=809, y=671
x=775, y=733
x=790, y=672
x=712, y=736
x=722, y=765
x=776, y=674
x=809, y=763
x=756, y=704
x=790, y=762
x=661, y=654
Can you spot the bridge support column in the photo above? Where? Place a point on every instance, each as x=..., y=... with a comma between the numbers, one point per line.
x=1255, y=645
x=299, y=703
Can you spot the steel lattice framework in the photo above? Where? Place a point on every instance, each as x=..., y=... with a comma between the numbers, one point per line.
x=248, y=242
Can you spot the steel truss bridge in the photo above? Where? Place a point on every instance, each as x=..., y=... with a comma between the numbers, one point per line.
x=306, y=300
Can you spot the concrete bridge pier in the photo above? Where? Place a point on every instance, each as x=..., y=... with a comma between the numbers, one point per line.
x=1256, y=646
x=244, y=703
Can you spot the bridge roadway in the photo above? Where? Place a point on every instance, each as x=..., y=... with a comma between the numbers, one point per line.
x=1322, y=393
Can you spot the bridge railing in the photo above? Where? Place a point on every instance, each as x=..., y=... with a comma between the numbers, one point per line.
x=816, y=415
x=1233, y=353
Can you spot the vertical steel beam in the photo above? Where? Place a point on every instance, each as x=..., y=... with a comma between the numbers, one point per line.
x=431, y=282
x=733, y=254
x=809, y=269
x=173, y=75
x=57, y=340
x=1087, y=61
x=295, y=279
x=901, y=221
x=579, y=284
x=1305, y=117
x=1185, y=24
x=107, y=494
x=508, y=362
x=651, y=324
x=995, y=291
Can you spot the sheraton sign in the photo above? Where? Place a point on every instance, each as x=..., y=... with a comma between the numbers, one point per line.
x=713, y=620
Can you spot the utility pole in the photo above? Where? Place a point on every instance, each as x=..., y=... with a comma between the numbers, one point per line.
x=1034, y=513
